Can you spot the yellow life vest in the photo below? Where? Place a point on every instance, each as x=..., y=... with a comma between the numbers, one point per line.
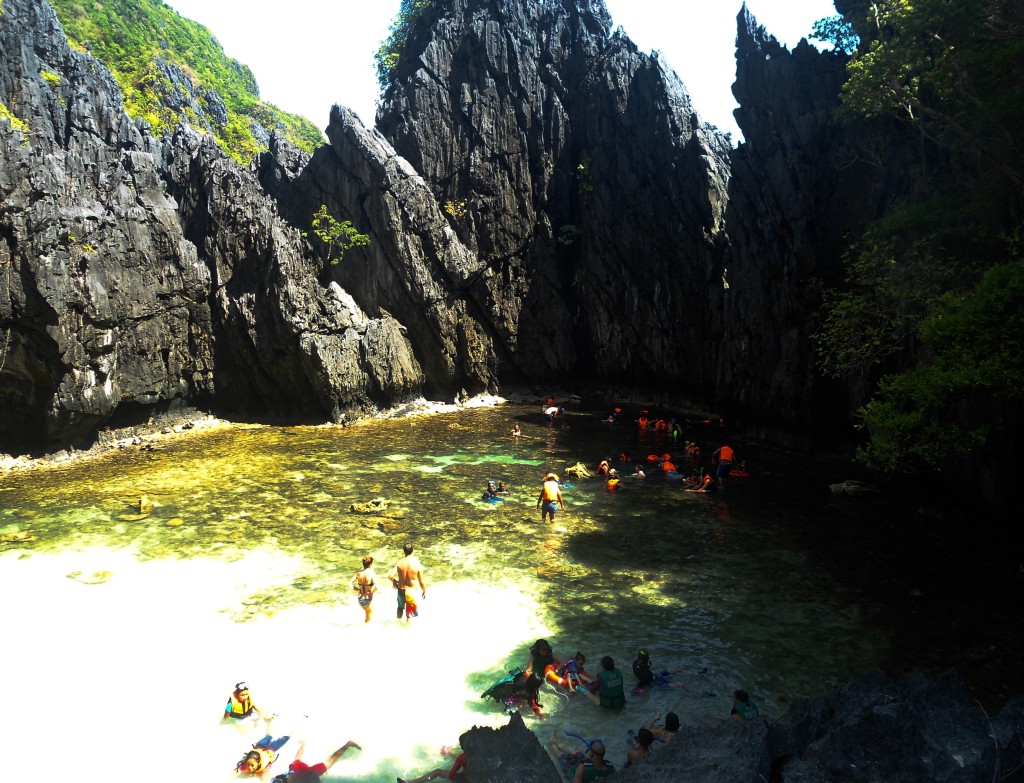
x=239, y=708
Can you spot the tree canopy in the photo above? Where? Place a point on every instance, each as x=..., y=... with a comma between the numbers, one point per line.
x=934, y=291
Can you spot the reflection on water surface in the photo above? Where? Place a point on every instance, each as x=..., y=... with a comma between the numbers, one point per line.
x=258, y=519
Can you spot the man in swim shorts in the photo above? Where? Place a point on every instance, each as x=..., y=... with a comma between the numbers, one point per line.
x=403, y=575
x=365, y=582
x=551, y=498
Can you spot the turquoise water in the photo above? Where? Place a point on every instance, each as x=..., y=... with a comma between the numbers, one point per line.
x=250, y=545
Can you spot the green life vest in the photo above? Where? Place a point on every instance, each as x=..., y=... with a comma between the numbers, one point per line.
x=611, y=693
x=746, y=710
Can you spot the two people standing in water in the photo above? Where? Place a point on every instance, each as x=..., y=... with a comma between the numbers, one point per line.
x=405, y=574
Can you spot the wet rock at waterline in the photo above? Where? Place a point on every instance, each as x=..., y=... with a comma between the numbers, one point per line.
x=917, y=728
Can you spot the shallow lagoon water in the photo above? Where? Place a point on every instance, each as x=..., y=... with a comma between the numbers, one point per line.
x=127, y=630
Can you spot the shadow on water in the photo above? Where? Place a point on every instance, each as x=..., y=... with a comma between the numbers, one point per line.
x=771, y=585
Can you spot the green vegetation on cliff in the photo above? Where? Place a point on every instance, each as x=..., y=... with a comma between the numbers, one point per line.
x=172, y=69
x=337, y=236
x=934, y=294
x=390, y=50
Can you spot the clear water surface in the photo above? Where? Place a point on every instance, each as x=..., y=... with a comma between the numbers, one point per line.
x=126, y=629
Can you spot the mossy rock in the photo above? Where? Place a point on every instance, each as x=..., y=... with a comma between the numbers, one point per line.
x=374, y=506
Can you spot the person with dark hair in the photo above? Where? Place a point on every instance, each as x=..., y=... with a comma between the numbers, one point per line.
x=644, y=738
x=573, y=673
x=542, y=663
x=405, y=573
x=258, y=760
x=606, y=689
x=365, y=581
x=743, y=707
x=240, y=704
x=669, y=731
x=301, y=772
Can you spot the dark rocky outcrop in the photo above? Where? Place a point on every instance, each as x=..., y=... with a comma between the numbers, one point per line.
x=577, y=169
x=915, y=729
x=543, y=203
x=141, y=274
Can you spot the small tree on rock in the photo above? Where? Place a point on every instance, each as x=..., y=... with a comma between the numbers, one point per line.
x=336, y=236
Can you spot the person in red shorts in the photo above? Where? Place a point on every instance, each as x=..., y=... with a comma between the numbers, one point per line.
x=301, y=772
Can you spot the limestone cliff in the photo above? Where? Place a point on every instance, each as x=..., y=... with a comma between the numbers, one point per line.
x=543, y=203
x=139, y=274
x=577, y=170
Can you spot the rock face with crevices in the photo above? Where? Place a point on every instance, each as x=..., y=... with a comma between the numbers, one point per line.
x=137, y=274
x=578, y=172
x=544, y=204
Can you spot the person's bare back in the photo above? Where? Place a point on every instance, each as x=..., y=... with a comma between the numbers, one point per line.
x=408, y=572
x=405, y=573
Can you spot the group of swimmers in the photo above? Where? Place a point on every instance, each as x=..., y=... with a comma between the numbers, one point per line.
x=697, y=481
x=264, y=752
x=607, y=689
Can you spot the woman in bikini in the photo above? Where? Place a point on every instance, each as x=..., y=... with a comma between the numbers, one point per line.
x=365, y=582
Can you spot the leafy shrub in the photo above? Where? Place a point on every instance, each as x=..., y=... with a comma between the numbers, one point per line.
x=390, y=50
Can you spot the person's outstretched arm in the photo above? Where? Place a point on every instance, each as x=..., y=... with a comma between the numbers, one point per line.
x=340, y=752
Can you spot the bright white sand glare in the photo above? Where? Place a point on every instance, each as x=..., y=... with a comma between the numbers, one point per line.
x=126, y=680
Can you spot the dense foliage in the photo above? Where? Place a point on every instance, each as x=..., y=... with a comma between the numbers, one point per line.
x=138, y=39
x=390, y=49
x=934, y=293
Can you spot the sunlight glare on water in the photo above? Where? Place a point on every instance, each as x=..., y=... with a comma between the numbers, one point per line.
x=128, y=626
